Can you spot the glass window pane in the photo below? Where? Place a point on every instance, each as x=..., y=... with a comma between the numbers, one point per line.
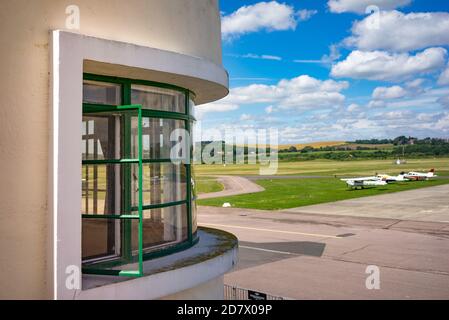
x=161, y=227
x=192, y=107
x=154, y=98
x=101, y=189
x=102, y=93
x=162, y=183
x=155, y=137
x=100, y=238
x=194, y=217
x=194, y=197
x=101, y=137
x=113, y=189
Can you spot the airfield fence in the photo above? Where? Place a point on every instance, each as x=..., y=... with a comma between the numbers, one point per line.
x=236, y=293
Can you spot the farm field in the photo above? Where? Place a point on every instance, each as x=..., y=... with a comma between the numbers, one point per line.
x=313, y=144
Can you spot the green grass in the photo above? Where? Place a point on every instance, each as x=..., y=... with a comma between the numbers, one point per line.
x=291, y=193
x=207, y=185
x=331, y=168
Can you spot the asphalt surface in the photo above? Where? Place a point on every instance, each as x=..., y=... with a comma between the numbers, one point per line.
x=426, y=204
x=233, y=185
x=283, y=177
x=304, y=255
x=289, y=177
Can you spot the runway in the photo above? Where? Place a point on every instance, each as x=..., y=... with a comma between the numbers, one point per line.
x=233, y=185
x=316, y=254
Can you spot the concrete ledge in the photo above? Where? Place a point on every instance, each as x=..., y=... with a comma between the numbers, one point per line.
x=207, y=80
x=214, y=255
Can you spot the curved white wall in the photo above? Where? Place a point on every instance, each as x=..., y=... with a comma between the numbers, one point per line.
x=191, y=27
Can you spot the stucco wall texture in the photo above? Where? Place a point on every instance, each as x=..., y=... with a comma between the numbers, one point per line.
x=186, y=26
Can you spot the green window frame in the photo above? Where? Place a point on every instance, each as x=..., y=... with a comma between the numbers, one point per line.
x=112, y=267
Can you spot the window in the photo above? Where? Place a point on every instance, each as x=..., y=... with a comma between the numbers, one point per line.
x=102, y=93
x=136, y=203
x=158, y=98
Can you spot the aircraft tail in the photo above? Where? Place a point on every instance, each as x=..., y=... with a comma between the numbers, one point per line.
x=431, y=173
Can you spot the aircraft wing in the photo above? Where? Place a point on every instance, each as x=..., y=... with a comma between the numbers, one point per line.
x=361, y=179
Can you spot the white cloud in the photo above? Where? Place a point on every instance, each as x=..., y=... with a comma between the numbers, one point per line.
x=444, y=77
x=415, y=86
x=443, y=123
x=309, y=61
x=333, y=55
x=359, y=6
x=419, y=102
x=340, y=125
x=444, y=101
x=302, y=92
x=420, y=98
x=256, y=56
x=428, y=117
x=416, y=83
x=381, y=65
x=387, y=93
x=400, y=32
x=313, y=100
x=246, y=117
x=381, y=96
x=269, y=57
x=395, y=115
x=268, y=16
x=201, y=110
x=269, y=109
x=377, y=104
x=305, y=14
x=363, y=124
x=263, y=57
x=353, y=108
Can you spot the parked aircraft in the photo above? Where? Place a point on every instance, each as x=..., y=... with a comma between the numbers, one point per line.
x=419, y=176
x=384, y=179
x=389, y=179
x=364, y=182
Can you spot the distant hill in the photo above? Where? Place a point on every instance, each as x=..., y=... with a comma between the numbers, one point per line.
x=315, y=145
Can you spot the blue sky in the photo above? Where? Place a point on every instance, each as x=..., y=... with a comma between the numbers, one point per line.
x=320, y=70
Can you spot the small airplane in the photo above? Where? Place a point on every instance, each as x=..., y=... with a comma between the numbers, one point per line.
x=419, y=176
x=390, y=179
x=364, y=182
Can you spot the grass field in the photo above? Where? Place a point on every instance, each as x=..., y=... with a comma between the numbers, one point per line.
x=207, y=185
x=291, y=193
x=331, y=168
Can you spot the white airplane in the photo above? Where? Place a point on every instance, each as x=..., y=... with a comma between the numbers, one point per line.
x=419, y=176
x=389, y=179
x=364, y=182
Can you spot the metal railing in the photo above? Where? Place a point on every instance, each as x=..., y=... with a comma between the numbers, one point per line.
x=236, y=293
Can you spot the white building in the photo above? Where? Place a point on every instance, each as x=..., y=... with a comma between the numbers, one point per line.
x=92, y=91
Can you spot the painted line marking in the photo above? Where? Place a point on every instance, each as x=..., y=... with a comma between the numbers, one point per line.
x=271, y=230
x=268, y=250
